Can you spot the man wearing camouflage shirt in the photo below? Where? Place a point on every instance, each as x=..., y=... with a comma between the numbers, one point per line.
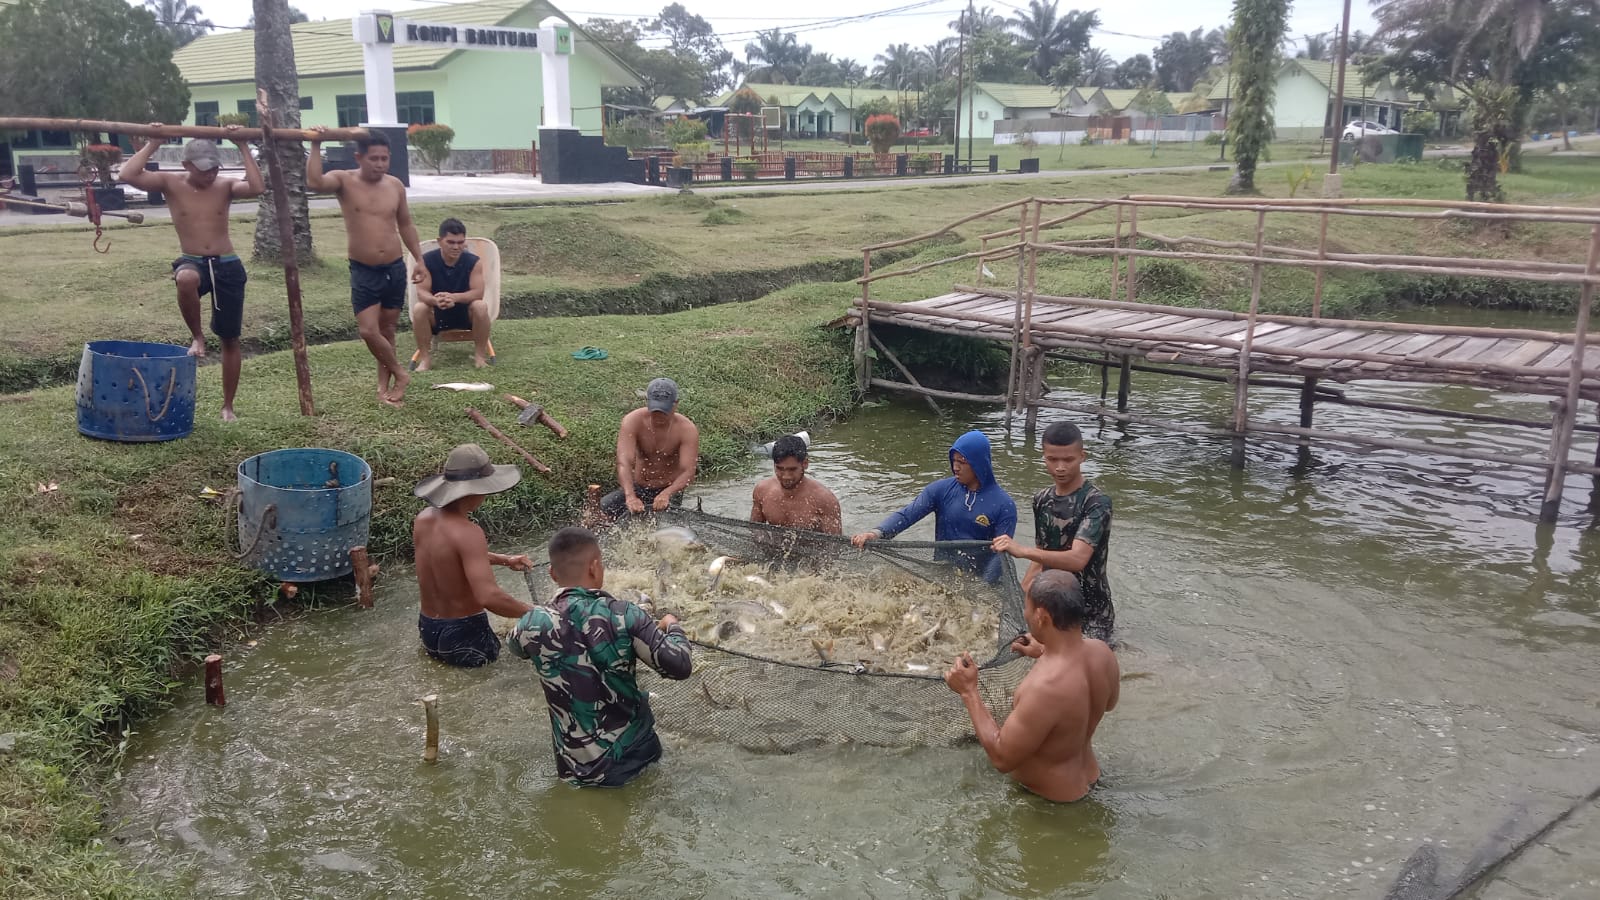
x=1071, y=529
x=584, y=646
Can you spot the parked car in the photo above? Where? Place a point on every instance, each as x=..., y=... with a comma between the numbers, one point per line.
x=1356, y=129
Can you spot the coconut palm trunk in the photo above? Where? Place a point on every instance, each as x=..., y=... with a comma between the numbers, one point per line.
x=276, y=74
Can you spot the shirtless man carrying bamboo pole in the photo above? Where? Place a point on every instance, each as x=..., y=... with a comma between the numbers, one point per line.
x=376, y=221
x=199, y=201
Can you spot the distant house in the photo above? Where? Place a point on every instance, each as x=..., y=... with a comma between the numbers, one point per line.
x=818, y=111
x=987, y=102
x=1302, y=107
x=670, y=106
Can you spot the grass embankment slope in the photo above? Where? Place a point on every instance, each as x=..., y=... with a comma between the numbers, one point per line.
x=116, y=579
x=1055, y=157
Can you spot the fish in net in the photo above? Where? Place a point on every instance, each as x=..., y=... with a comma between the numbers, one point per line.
x=803, y=640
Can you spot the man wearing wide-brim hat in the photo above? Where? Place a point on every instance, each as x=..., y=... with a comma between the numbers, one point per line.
x=454, y=565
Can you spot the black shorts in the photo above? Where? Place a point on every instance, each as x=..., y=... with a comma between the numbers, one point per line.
x=223, y=277
x=467, y=642
x=456, y=318
x=383, y=285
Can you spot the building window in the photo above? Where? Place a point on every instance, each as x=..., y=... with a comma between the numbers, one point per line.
x=305, y=103
x=205, y=112
x=248, y=107
x=352, y=109
x=414, y=107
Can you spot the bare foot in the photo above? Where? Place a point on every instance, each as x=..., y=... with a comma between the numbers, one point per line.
x=479, y=362
x=424, y=363
x=389, y=401
x=227, y=414
x=397, y=388
x=197, y=347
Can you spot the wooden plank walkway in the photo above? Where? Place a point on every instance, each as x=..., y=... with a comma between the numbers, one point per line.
x=1327, y=349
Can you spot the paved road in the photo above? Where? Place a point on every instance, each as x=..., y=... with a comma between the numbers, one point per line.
x=520, y=188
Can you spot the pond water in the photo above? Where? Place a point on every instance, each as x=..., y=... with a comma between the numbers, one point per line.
x=1337, y=659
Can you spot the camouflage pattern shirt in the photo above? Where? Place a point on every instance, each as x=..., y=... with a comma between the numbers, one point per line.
x=1083, y=515
x=584, y=646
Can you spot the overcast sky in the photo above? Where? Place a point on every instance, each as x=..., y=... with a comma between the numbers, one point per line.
x=1126, y=27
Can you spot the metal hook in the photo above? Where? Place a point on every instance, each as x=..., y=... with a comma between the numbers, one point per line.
x=98, y=236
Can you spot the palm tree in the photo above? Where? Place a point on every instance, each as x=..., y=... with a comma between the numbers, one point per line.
x=977, y=21
x=899, y=67
x=179, y=19
x=852, y=71
x=1316, y=47
x=1098, y=68
x=1049, y=37
x=941, y=58
x=781, y=56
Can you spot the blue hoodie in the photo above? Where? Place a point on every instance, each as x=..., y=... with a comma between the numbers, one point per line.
x=963, y=515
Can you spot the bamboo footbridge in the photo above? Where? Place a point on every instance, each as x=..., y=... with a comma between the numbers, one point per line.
x=1250, y=349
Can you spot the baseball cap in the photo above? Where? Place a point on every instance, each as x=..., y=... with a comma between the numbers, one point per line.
x=661, y=395
x=203, y=154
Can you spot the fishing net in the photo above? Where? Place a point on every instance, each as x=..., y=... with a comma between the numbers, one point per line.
x=802, y=640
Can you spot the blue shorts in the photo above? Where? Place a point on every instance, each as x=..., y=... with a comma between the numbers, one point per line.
x=467, y=642
x=383, y=285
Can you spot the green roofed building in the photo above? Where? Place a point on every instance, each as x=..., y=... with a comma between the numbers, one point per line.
x=988, y=102
x=1302, y=105
x=821, y=111
x=492, y=99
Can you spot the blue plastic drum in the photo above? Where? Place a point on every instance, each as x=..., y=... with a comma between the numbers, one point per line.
x=134, y=391
x=301, y=512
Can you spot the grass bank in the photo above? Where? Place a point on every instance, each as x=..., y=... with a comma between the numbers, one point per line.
x=118, y=579
x=1056, y=157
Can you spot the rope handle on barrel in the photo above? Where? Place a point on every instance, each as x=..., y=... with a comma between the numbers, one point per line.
x=230, y=509
x=172, y=384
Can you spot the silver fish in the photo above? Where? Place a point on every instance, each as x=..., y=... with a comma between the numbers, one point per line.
x=912, y=616
x=916, y=667
x=715, y=570
x=477, y=386
x=880, y=644
x=746, y=609
x=932, y=634
x=758, y=580
x=777, y=609
x=663, y=572
x=676, y=535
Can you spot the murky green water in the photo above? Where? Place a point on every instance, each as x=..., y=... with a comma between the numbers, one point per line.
x=1340, y=659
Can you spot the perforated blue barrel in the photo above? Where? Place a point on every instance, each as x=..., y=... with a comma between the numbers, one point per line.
x=300, y=512
x=134, y=391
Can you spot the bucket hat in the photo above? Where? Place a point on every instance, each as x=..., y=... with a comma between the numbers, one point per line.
x=467, y=473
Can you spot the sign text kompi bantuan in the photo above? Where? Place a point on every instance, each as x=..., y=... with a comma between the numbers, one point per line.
x=431, y=34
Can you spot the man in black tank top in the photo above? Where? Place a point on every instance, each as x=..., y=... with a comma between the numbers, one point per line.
x=450, y=296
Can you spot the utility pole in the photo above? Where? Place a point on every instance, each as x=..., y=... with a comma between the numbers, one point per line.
x=961, y=80
x=1338, y=94
x=972, y=98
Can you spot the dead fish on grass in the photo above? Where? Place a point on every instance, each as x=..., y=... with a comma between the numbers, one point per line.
x=476, y=386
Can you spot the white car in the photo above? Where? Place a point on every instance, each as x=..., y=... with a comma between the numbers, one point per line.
x=1356, y=129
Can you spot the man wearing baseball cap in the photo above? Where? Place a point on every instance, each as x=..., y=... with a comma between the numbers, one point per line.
x=453, y=561
x=200, y=201
x=658, y=449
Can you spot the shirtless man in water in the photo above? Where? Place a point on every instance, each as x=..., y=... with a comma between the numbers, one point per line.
x=1045, y=743
x=453, y=561
x=791, y=500
x=199, y=201
x=376, y=221
x=658, y=449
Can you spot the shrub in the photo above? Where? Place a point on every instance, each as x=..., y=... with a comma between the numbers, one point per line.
x=432, y=143
x=921, y=163
x=1213, y=139
x=1028, y=141
x=689, y=154
x=882, y=131
x=748, y=168
x=685, y=131
x=1086, y=141
x=632, y=132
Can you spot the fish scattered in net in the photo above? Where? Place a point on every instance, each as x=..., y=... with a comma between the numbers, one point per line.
x=762, y=684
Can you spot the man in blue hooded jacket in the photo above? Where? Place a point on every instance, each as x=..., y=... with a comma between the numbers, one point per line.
x=968, y=506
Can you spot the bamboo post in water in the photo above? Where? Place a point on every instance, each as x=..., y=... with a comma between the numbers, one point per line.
x=863, y=329
x=1322, y=271
x=1116, y=258
x=430, y=745
x=214, y=693
x=1016, y=317
x=360, y=568
x=1567, y=413
x=1241, y=395
x=1133, y=244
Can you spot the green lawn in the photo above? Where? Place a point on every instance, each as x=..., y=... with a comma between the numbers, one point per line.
x=1073, y=156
